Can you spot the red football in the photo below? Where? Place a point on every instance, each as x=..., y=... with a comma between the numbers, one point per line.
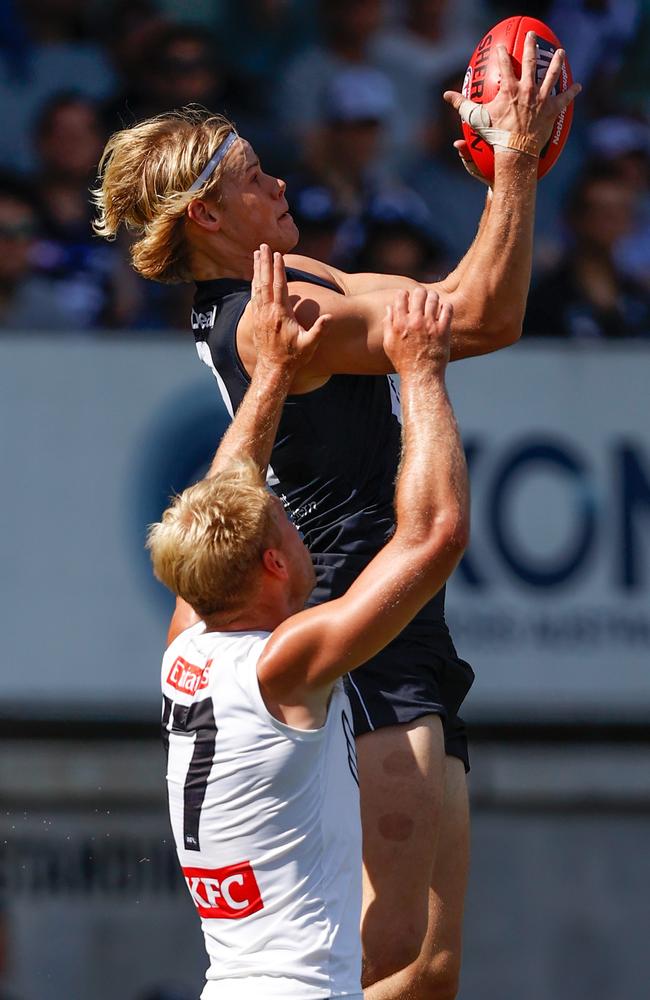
x=482, y=83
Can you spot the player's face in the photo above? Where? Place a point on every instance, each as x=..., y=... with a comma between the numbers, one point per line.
x=254, y=209
x=302, y=578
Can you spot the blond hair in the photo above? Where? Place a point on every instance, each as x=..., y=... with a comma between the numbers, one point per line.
x=144, y=176
x=207, y=548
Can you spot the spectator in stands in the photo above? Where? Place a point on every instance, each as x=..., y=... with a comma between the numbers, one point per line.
x=344, y=155
x=69, y=140
x=417, y=53
x=397, y=242
x=318, y=219
x=28, y=300
x=165, y=66
x=348, y=27
x=586, y=296
x=598, y=33
x=454, y=199
x=624, y=143
x=48, y=47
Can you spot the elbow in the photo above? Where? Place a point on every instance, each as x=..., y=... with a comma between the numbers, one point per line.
x=507, y=332
x=448, y=539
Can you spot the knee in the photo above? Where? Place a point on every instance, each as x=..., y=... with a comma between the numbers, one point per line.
x=399, y=949
x=439, y=979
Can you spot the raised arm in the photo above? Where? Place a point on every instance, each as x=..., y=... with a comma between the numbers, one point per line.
x=489, y=288
x=282, y=347
x=309, y=651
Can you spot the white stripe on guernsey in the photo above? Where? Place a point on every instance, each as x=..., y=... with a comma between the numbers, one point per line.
x=204, y=353
x=365, y=710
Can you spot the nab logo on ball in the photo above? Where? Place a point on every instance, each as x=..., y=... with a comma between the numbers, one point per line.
x=483, y=79
x=224, y=893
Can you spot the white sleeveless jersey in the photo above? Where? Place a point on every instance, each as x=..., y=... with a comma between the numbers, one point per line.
x=266, y=823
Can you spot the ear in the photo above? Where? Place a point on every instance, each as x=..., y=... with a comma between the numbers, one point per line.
x=274, y=563
x=204, y=214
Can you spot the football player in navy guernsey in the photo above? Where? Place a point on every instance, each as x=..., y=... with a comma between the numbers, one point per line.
x=197, y=199
x=262, y=774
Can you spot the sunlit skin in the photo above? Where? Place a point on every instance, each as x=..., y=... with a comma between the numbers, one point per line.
x=253, y=210
x=284, y=581
x=487, y=290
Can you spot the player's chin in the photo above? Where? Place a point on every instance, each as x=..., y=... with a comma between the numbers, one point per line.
x=287, y=231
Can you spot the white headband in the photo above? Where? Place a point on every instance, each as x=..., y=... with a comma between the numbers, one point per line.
x=213, y=162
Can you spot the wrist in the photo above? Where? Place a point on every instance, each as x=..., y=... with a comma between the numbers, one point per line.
x=514, y=165
x=274, y=370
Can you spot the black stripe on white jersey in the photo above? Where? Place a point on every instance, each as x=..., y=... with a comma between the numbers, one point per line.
x=196, y=721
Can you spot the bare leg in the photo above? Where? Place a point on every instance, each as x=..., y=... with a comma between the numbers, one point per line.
x=401, y=779
x=435, y=973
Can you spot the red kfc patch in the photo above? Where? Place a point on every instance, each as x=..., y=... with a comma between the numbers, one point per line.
x=224, y=893
x=188, y=678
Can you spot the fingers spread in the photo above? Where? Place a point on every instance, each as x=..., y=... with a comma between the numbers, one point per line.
x=266, y=274
x=508, y=78
x=255, y=284
x=562, y=101
x=280, y=290
x=552, y=74
x=529, y=60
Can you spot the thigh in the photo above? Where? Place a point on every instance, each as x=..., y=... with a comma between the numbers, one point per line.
x=440, y=957
x=435, y=973
x=401, y=781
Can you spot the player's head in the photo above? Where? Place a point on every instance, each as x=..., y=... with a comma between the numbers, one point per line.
x=191, y=190
x=226, y=546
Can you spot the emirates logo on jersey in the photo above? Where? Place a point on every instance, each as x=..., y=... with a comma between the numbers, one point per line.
x=224, y=893
x=188, y=678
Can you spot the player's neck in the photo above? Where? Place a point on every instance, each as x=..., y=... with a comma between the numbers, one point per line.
x=207, y=265
x=258, y=619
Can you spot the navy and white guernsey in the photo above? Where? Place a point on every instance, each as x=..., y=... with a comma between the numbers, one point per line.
x=334, y=465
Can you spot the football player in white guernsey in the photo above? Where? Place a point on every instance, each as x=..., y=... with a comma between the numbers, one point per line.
x=262, y=778
x=198, y=202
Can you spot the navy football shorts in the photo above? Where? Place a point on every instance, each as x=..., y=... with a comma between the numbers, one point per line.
x=409, y=679
x=418, y=673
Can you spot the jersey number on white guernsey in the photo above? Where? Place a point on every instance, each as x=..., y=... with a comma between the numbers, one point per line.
x=196, y=723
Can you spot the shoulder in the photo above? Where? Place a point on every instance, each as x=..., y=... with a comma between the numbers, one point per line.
x=316, y=267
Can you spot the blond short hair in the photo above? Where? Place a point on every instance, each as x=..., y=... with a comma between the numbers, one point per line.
x=208, y=546
x=144, y=176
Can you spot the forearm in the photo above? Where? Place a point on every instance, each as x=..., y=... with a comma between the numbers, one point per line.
x=490, y=301
x=255, y=425
x=432, y=486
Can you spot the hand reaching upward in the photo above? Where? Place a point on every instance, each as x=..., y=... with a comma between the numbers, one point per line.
x=279, y=338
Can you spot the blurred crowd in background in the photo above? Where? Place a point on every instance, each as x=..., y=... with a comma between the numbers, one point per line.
x=342, y=98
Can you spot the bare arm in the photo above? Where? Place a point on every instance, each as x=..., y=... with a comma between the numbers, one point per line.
x=308, y=651
x=488, y=289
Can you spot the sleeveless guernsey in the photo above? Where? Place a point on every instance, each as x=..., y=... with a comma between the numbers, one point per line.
x=266, y=823
x=334, y=465
x=337, y=450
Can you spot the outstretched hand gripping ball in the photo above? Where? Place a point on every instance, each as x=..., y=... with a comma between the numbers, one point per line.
x=482, y=85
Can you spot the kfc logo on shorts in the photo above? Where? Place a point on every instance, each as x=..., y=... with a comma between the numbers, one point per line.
x=224, y=893
x=187, y=678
